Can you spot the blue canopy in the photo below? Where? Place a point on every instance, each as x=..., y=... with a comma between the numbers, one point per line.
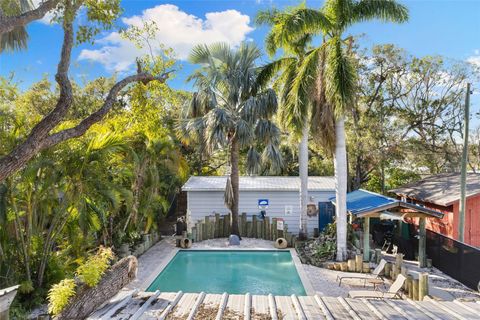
x=362, y=202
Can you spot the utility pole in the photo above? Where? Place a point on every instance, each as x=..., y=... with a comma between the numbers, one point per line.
x=463, y=176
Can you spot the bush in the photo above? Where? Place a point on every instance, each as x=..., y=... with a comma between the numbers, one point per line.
x=92, y=270
x=59, y=295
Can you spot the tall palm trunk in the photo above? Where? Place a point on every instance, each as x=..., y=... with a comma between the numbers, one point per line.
x=234, y=176
x=340, y=160
x=303, y=173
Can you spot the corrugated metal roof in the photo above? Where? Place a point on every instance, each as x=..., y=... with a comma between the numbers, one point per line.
x=441, y=189
x=263, y=183
x=363, y=202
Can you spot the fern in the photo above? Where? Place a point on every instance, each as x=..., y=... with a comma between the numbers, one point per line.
x=59, y=295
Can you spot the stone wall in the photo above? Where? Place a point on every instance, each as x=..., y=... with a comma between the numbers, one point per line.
x=89, y=299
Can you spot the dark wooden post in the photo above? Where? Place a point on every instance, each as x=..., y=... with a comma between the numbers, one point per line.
x=422, y=243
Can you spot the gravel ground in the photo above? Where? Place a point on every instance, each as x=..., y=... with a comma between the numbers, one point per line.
x=223, y=243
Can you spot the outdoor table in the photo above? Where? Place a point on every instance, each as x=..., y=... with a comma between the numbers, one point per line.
x=375, y=282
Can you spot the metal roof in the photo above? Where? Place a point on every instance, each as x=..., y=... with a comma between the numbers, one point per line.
x=365, y=203
x=262, y=183
x=441, y=189
x=179, y=305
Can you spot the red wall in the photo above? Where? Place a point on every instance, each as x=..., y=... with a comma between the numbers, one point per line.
x=448, y=226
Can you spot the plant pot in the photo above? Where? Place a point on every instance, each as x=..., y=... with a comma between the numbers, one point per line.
x=124, y=250
x=147, y=240
x=139, y=249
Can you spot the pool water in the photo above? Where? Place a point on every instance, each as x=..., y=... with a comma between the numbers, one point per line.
x=234, y=272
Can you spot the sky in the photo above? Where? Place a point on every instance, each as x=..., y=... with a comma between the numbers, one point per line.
x=450, y=28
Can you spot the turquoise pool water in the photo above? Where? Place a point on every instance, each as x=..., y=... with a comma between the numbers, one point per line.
x=235, y=272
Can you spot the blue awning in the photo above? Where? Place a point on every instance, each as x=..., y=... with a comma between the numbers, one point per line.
x=365, y=203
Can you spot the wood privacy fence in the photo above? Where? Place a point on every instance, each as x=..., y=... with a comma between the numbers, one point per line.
x=218, y=226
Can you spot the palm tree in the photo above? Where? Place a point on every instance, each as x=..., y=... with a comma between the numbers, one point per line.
x=295, y=107
x=329, y=72
x=230, y=111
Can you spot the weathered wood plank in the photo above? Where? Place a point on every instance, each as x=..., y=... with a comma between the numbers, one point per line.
x=171, y=306
x=362, y=310
x=457, y=310
x=195, y=307
x=132, y=306
x=183, y=307
x=158, y=306
x=336, y=309
x=145, y=306
x=260, y=308
x=235, y=306
x=285, y=308
x=298, y=308
x=311, y=308
x=386, y=310
x=407, y=309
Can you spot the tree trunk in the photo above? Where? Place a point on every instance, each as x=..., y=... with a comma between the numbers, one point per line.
x=303, y=173
x=340, y=160
x=234, y=176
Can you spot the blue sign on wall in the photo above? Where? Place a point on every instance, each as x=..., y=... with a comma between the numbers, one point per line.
x=263, y=202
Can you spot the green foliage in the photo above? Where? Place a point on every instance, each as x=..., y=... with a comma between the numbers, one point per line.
x=326, y=250
x=79, y=195
x=59, y=295
x=92, y=270
x=230, y=106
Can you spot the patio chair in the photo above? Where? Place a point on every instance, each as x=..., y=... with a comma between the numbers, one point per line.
x=375, y=274
x=392, y=293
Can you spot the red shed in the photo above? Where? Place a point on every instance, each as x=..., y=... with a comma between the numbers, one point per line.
x=441, y=192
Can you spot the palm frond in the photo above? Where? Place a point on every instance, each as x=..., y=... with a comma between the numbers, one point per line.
x=272, y=158
x=300, y=95
x=304, y=21
x=385, y=10
x=244, y=133
x=267, y=132
x=269, y=71
x=340, y=78
x=254, y=161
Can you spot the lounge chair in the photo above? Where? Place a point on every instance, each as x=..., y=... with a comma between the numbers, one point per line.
x=375, y=274
x=392, y=293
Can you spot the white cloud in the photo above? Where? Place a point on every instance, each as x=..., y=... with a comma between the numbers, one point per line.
x=176, y=29
x=475, y=60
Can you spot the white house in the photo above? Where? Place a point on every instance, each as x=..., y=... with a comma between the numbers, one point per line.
x=205, y=196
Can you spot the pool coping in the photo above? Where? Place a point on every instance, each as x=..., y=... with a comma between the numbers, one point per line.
x=307, y=285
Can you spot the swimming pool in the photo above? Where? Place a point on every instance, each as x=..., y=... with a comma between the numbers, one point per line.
x=231, y=271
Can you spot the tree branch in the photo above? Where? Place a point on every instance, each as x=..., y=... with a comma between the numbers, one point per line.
x=7, y=24
x=98, y=115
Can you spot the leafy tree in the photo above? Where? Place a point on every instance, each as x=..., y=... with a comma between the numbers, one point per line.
x=230, y=111
x=408, y=115
x=45, y=134
x=331, y=70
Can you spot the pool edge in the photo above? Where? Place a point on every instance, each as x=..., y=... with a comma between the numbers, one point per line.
x=307, y=285
x=154, y=273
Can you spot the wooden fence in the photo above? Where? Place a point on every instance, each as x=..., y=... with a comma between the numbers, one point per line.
x=218, y=226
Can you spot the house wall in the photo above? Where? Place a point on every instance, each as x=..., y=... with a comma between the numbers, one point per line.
x=448, y=226
x=206, y=203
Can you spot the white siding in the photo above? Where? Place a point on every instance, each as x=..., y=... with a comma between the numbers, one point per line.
x=205, y=203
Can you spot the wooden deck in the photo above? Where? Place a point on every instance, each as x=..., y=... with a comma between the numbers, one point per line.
x=200, y=306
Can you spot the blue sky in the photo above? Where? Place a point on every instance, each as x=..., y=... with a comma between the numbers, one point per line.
x=437, y=27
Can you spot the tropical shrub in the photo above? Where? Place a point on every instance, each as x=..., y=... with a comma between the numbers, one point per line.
x=59, y=295
x=92, y=270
